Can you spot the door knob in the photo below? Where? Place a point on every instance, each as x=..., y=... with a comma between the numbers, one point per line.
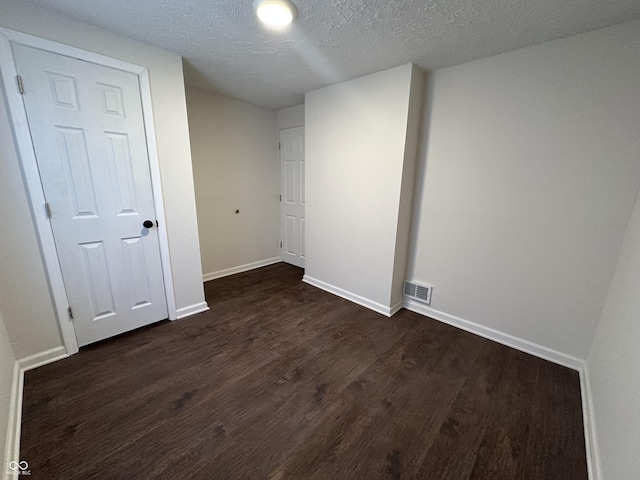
x=147, y=224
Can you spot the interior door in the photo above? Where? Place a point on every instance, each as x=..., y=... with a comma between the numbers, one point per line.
x=292, y=200
x=88, y=135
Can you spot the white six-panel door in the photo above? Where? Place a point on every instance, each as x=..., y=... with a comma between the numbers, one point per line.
x=292, y=204
x=88, y=134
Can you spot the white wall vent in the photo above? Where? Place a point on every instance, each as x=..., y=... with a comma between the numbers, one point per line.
x=422, y=293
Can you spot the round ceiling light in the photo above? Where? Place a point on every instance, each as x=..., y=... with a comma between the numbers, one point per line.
x=277, y=13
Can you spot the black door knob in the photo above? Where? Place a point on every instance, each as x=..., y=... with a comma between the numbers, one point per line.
x=147, y=224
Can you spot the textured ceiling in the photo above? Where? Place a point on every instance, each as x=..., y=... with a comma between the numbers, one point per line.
x=227, y=51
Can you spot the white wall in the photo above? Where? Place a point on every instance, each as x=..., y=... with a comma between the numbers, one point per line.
x=235, y=164
x=290, y=117
x=614, y=365
x=528, y=177
x=7, y=362
x=356, y=135
x=26, y=302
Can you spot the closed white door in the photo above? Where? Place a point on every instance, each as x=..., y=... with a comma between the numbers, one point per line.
x=88, y=135
x=292, y=198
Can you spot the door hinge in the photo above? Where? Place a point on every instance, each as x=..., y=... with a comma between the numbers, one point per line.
x=280, y=197
x=278, y=142
x=280, y=244
x=70, y=313
x=20, y=84
x=47, y=210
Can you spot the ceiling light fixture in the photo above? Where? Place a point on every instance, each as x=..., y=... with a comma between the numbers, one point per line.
x=276, y=13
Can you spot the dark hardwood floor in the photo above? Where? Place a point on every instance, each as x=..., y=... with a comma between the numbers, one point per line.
x=280, y=380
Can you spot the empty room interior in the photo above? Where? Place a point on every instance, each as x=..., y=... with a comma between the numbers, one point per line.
x=385, y=240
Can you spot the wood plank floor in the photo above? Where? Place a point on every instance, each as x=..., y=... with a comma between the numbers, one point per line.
x=280, y=380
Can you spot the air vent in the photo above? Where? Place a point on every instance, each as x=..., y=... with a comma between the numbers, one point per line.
x=422, y=293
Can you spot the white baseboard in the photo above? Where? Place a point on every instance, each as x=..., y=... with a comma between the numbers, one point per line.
x=365, y=302
x=396, y=308
x=42, y=358
x=242, y=268
x=12, y=447
x=495, y=335
x=192, y=310
x=590, y=434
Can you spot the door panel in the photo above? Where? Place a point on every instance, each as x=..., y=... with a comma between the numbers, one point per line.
x=88, y=134
x=302, y=176
x=292, y=188
x=119, y=157
x=137, y=271
x=74, y=162
x=291, y=235
x=302, y=234
x=290, y=184
x=95, y=264
x=64, y=92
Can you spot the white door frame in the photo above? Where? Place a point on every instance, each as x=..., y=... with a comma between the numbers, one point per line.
x=31, y=176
